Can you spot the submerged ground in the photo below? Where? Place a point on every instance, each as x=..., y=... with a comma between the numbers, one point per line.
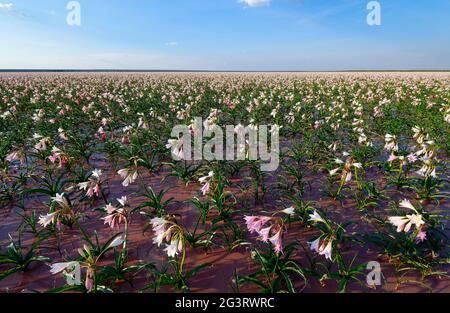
x=363, y=155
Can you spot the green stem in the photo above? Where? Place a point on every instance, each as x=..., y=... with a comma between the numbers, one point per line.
x=124, y=247
x=342, y=185
x=182, y=258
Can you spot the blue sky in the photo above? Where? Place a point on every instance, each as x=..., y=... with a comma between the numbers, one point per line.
x=225, y=35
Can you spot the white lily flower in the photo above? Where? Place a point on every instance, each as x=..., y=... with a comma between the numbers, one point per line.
x=338, y=161
x=404, y=223
x=333, y=172
x=97, y=173
x=289, y=211
x=61, y=200
x=123, y=201
x=315, y=217
x=59, y=267
x=407, y=204
x=414, y=219
x=159, y=229
x=399, y=222
x=45, y=220
x=314, y=245
x=173, y=248
x=348, y=177
x=128, y=176
x=326, y=250
x=116, y=242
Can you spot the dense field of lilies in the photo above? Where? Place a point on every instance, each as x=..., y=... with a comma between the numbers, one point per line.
x=92, y=200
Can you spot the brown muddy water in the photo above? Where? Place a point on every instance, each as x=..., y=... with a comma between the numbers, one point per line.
x=219, y=276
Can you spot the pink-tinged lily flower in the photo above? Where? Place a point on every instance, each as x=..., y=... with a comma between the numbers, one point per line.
x=404, y=223
x=255, y=223
x=421, y=237
x=159, y=230
x=45, y=220
x=142, y=124
x=277, y=242
x=205, y=188
x=59, y=157
x=392, y=158
x=412, y=158
x=323, y=249
x=62, y=134
x=272, y=233
x=346, y=167
x=101, y=134
x=176, y=146
x=16, y=156
x=89, y=283
x=42, y=144
x=206, y=181
x=169, y=231
x=391, y=143
x=317, y=124
x=427, y=169
x=128, y=175
x=348, y=176
x=115, y=216
x=13, y=156
x=93, y=185
x=61, y=200
x=265, y=233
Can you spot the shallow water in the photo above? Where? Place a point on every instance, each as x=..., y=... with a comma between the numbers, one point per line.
x=218, y=277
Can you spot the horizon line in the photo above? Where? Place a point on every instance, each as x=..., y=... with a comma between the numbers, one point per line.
x=207, y=71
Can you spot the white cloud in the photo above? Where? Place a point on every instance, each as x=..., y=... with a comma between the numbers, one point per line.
x=255, y=3
x=172, y=44
x=6, y=6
